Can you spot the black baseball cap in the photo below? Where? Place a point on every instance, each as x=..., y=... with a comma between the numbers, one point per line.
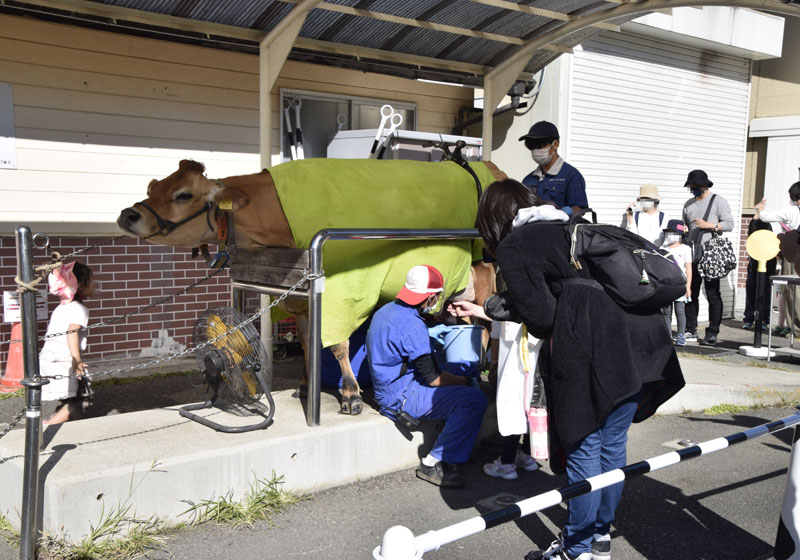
x=676, y=225
x=541, y=129
x=699, y=178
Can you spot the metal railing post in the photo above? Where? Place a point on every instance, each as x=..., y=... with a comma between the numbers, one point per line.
x=317, y=286
x=33, y=397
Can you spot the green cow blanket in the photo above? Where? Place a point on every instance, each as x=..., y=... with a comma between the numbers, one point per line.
x=317, y=194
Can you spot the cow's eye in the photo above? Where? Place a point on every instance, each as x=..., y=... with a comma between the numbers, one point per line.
x=183, y=197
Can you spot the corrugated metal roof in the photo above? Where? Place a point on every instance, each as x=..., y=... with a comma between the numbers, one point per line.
x=431, y=33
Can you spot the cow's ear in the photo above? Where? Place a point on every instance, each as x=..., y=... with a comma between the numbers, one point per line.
x=191, y=165
x=231, y=199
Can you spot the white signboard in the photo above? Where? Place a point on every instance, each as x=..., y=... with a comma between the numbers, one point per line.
x=12, y=311
x=8, y=144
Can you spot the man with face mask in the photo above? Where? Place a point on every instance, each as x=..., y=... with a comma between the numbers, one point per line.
x=409, y=384
x=702, y=225
x=553, y=179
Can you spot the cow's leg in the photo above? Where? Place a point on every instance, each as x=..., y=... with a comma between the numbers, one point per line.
x=351, y=392
x=302, y=331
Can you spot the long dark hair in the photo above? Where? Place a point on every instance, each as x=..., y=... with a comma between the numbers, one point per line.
x=84, y=276
x=497, y=208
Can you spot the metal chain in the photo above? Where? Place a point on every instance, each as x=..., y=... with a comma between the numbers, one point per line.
x=57, y=257
x=13, y=423
x=306, y=277
x=156, y=303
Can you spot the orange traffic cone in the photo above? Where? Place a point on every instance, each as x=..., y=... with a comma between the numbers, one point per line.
x=10, y=381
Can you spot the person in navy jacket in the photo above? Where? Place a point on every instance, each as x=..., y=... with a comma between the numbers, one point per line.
x=553, y=179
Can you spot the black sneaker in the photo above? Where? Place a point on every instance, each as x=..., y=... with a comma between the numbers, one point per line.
x=709, y=340
x=440, y=474
x=691, y=336
x=555, y=552
x=601, y=550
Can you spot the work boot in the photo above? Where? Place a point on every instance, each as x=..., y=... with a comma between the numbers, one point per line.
x=440, y=474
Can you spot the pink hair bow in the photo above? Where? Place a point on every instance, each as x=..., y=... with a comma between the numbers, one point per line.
x=63, y=283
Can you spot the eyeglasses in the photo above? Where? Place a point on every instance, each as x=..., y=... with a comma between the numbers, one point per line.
x=537, y=143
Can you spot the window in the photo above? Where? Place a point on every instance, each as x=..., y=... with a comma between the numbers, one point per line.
x=323, y=115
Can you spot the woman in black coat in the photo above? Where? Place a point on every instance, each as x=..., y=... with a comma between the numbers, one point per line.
x=605, y=368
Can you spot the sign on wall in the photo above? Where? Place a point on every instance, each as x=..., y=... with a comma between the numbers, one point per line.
x=8, y=145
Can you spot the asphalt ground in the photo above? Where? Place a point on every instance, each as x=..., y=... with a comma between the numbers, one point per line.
x=720, y=506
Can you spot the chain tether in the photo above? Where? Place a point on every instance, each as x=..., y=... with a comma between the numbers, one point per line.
x=13, y=423
x=306, y=277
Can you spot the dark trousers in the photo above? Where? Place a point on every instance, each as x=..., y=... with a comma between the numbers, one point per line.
x=714, y=303
x=750, y=292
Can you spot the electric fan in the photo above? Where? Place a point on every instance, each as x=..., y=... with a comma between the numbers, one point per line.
x=235, y=368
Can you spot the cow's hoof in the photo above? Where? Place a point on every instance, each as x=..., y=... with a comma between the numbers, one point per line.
x=352, y=405
x=356, y=404
x=300, y=393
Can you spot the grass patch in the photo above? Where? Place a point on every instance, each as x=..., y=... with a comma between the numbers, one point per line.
x=118, y=536
x=18, y=393
x=724, y=409
x=7, y=532
x=261, y=503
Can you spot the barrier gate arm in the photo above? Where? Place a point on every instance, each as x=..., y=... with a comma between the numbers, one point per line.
x=398, y=546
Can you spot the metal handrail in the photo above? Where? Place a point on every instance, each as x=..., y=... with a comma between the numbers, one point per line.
x=317, y=286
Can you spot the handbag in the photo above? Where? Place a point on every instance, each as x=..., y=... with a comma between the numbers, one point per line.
x=718, y=258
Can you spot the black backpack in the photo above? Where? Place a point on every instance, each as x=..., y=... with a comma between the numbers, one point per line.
x=635, y=273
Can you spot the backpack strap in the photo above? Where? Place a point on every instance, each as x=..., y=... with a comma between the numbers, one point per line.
x=708, y=208
x=660, y=218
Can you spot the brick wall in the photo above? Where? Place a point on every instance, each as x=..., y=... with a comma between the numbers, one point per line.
x=129, y=274
x=741, y=269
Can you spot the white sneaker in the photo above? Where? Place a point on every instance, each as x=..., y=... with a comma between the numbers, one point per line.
x=525, y=461
x=500, y=470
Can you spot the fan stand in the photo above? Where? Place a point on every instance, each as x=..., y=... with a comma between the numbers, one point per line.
x=185, y=411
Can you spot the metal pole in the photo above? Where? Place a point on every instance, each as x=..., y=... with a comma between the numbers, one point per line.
x=317, y=286
x=33, y=397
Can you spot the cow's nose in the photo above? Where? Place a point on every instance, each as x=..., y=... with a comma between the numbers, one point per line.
x=128, y=217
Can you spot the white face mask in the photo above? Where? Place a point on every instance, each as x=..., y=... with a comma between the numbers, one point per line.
x=431, y=308
x=673, y=238
x=645, y=204
x=541, y=155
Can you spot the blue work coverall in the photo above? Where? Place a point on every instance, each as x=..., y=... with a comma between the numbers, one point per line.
x=397, y=336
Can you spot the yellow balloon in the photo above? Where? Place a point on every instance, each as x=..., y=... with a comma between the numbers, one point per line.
x=763, y=245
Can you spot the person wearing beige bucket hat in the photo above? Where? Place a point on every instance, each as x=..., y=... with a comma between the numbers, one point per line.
x=643, y=216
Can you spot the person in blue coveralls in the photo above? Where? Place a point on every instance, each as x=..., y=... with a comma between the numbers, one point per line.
x=409, y=383
x=553, y=179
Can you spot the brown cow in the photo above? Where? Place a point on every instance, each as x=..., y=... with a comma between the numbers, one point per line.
x=181, y=209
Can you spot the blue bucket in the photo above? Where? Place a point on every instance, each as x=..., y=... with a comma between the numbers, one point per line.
x=459, y=343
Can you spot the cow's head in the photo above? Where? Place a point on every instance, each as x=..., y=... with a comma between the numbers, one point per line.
x=179, y=210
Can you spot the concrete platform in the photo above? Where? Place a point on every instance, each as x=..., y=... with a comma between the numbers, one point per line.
x=157, y=461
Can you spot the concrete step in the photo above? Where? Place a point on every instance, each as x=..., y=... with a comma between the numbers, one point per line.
x=157, y=461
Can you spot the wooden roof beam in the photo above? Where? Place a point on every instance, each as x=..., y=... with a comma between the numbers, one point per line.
x=423, y=24
x=532, y=10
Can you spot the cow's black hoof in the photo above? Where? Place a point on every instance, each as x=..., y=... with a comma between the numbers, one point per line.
x=300, y=393
x=345, y=408
x=356, y=404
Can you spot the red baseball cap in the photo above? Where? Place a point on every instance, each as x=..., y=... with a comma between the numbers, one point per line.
x=421, y=281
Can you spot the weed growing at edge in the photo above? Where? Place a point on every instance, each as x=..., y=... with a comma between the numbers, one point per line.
x=261, y=503
x=724, y=409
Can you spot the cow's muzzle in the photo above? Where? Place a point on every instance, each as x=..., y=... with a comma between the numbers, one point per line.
x=128, y=218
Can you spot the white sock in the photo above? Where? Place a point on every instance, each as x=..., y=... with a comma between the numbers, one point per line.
x=429, y=460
